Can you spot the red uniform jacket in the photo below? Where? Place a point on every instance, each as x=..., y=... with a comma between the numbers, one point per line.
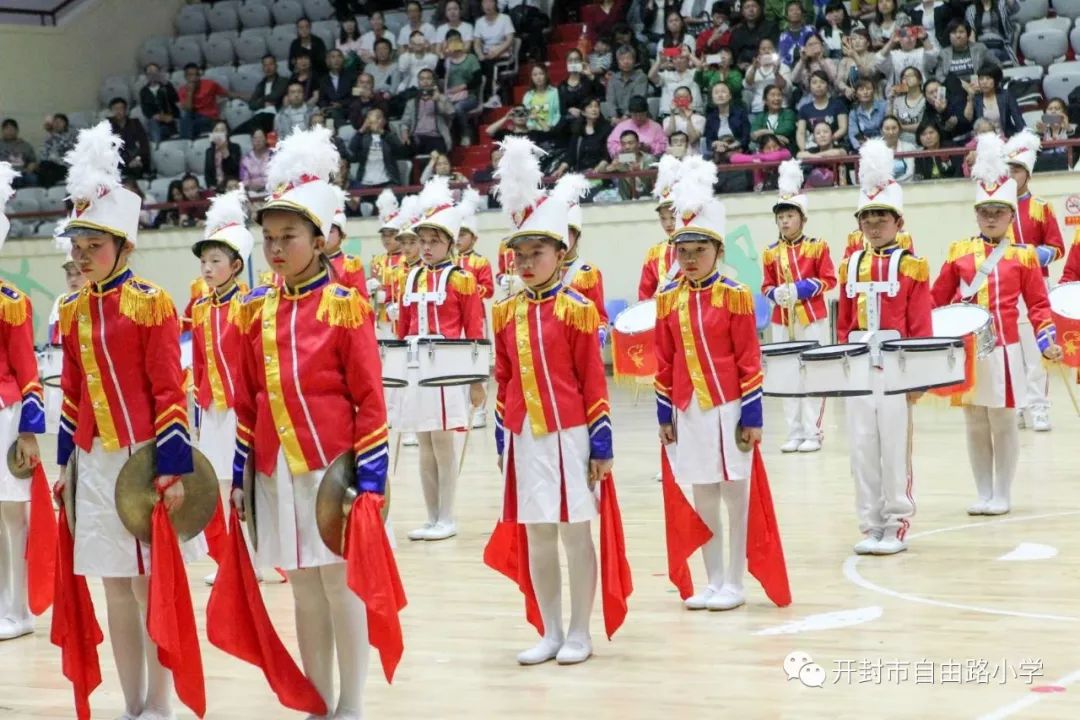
x=215, y=345
x=856, y=241
x=658, y=262
x=1016, y=275
x=121, y=379
x=1072, y=263
x=908, y=312
x=480, y=269
x=589, y=282
x=548, y=367
x=382, y=264
x=506, y=261
x=806, y=263
x=1036, y=225
x=310, y=382
x=19, y=380
x=349, y=270
x=707, y=348
x=198, y=289
x=461, y=315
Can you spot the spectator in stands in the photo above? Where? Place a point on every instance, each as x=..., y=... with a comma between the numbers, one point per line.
x=267, y=98
x=146, y=217
x=887, y=20
x=383, y=70
x=453, y=22
x=904, y=168
x=438, y=165
x=683, y=118
x=198, y=102
x=304, y=74
x=864, y=10
x=192, y=194
x=909, y=104
x=988, y=99
x=579, y=87
x=821, y=145
x=766, y=71
x=222, y=157
x=821, y=107
x=601, y=59
x=671, y=73
x=627, y=82
x=812, y=60
x=59, y=139
x=679, y=145
x=719, y=71
x=136, y=149
x=866, y=116
x=364, y=98
x=312, y=45
x=623, y=36
x=747, y=36
x=293, y=114
x=933, y=16
x=962, y=59
x=425, y=125
x=335, y=90
x=254, y=163
x=646, y=131
x=859, y=63
x=517, y=120
x=348, y=42
x=463, y=81
x=947, y=114
x=675, y=35
x=542, y=102
x=160, y=104
x=654, y=17
x=718, y=35
x=415, y=24
x=770, y=150
x=794, y=37
x=979, y=127
x=377, y=32
x=587, y=150
x=775, y=119
x=376, y=152
x=415, y=57
x=991, y=21
x=632, y=157
x=727, y=128
x=938, y=166
x=776, y=12
x=493, y=41
x=836, y=26
x=1053, y=126
x=907, y=47
x=486, y=176
x=353, y=203
x=601, y=17
x=172, y=216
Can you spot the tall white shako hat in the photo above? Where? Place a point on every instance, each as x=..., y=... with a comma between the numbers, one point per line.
x=299, y=176
x=101, y=203
x=387, y=205
x=878, y=190
x=667, y=172
x=789, y=184
x=573, y=218
x=470, y=207
x=7, y=179
x=408, y=215
x=993, y=184
x=340, y=220
x=532, y=211
x=699, y=215
x=437, y=209
x=226, y=223
x=1023, y=149
x=62, y=243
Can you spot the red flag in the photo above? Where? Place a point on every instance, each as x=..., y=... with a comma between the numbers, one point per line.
x=41, y=547
x=75, y=629
x=373, y=576
x=170, y=619
x=616, y=582
x=684, y=529
x=237, y=622
x=217, y=539
x=764, y=553
x=507, y=550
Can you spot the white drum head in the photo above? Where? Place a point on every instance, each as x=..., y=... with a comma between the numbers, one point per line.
x=1065, y=300
x=637, y=318
x=918, y=344
x=958, y=320
x=788, y=348
x=829, y=352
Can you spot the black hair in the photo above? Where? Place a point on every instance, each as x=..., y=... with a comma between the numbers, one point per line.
x=189, y=66
x=118, y=99
x=451, y=34
x=344, y=35
x=269, y=56
x=227, y=249
x=302, y=53
x=62, y=116
x=720, y=7
x=992, y=71
x=630, y=132
x=384, y=41
x=678, y=133
x=414, y=33
x=303, y=18
x=956, y=23
x=930, y=123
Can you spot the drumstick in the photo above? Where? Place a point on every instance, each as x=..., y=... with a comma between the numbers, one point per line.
x=465, y=444
x=1068, y=386
x=397, y=452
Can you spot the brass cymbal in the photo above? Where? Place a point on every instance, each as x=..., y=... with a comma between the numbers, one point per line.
x=337, y=492
x=22, y=472
x=249, y=500
x=136, y=495
x=739, y=442
x=71, y=475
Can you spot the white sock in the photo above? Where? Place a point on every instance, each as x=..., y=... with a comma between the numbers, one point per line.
x=546, y=577
x=314, y=630
x=14, y=524
x=707, y=504
x=581, y=571
x=350, y=638
x=429, y=475
x=126, y=634
x=980, y=450
x=1006, y=451
x=446, y=457
x=159, y=680
x=736, y=495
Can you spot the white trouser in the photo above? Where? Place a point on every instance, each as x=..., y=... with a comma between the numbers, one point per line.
x=547, y=579
x=438, y=473
x=14, y=525
x=736, y=495
x=147, y=686
x=879, y=441
x=804, y=415
x=1037, y=381
x=993, y=442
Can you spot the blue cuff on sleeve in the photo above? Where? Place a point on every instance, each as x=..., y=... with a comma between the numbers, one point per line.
x=32, y=418
x=372, y=468
x=664, y=412
x=600, y=447
x=751, y=416
x=1045, y=254
x=500, y=434
x=805, y=289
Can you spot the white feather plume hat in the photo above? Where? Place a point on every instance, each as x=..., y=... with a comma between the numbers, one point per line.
x=993, y=183
x=7, y=180
x=699, y=215
x=469, y=207
x=388, y=208
x=667, y=173
x=100, y=203
x=437, y=208
x=407, y=217
x=226, y=223
x=789, y=185
x=532, y=211
x=1023, y=149
x=299, y=176
x=877, y=188
x=573, y=217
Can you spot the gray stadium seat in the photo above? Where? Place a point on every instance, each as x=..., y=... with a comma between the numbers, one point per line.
x=1059, y=85
x=1063, y=68
x=177, y=78
x=250, y=48
x=328, y=31
x=26, y=200
x=316, y=10
x=81, y=119
x=236, y=112
x=45, y=228
x=196, y=155
x=279, y=45
x=260, y=32
x=395, y=21
x=1043, y=47
x=54, y=198
x=243, y=140
x=170, y=157
x=184, y=50
x=159, y=188
x=1022, y=72
x=222, y=17
x=223, y=76
x=346, y=132
x=255, y=15
x=154, y=52
x=1067, y=8
x=287, y=12
x=1055, y=23
x=1031, y=117
x=219, y=50
x=23, y=228
x=1074, y=39
x=112, y=87
x=1031, y=10
x=191, y=20
x=247, y=78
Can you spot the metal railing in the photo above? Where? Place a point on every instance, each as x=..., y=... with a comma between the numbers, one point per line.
x=46, y=17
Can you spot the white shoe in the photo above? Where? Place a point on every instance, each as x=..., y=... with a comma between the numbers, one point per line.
x=157, y=715
x=271, y=578
x=209, y=579
x=543, y=651
x=1021, y=420
x=409, y=440
x=700, y=600
x=1040, y=420
x=810, y=445
x=479, y=419
x=574, y=651
x=10, y=628
x=791, y=445
x=422, y=532
x=441, y=531
x=997, y=507
x=867, y=545
x=727, y=599
x=659, y=477
x=978, y=508
x=890, y=544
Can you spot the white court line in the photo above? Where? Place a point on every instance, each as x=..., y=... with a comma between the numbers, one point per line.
x=1028, y=700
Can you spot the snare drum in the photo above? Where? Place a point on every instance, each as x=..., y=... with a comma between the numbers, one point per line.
x=781, y=367
x=633, y=341
x=445, y=363
x=837, y=370
x=1065, y=309
x=960, y=320
x=394, y=355
x=917, y=364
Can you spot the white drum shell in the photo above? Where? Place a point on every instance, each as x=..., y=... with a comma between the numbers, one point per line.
x=920, y=364
x=636, y=319
x=780, y=366
x=445, y=363
x=395, y=364
x=960, y=320
x=844, y=376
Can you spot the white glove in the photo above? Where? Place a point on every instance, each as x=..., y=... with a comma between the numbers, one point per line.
x=505, y=280
x=516, y=285
x=372, y=285
x=392, y=311
x=380, y=296
x=782, y=295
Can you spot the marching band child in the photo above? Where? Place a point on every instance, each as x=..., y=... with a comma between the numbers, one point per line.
x=478, y=265
x=309, y=391
x=884, y=295
x=22, y=417
x=439, y=299
x=506, y=278
x=1071, y=273
x=1034, y=225
x=798, y=271
x=660, y=266
x=116, y=401
x=409, y=243
x=383, y=265
x=348, y=269
x=580, y=276
x=991, y=272
x=857, y=241
x=553, y=429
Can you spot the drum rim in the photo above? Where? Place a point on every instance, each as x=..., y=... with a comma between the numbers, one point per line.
x=455, y=380
x=628, y=308
x=794, y=346
x=450, y=341
x=52, y=381
x=1050, y=295
x=924, y=388
x=940, y=343
x=856, y=350
x=394, y=383
x=393, y=343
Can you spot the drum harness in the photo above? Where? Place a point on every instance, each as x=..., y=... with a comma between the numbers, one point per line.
x=423, y=300
x=874, y=335
x=968, y=291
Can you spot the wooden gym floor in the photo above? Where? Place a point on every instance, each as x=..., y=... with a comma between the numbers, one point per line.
x=978, y=619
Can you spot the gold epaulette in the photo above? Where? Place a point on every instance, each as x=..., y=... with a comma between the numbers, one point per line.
x=1037, y=209
x=462, y=281
x=576, y=311
x=962, y=248
x=68, y=306
x=586, y=278
x=243, y=311
x=341, y=306
x=13, y=305
x=353, y=264
x=656, y=251
x=198, y=288
x=145, y=304
x=502, y=311
x=200, y=310
x=855, y=239
x=1023, y=254
x=266, y=277
x=665, y=299
x=814, y=248
x=736, y=297
x=768, y=257
x=842, y=274
x=916, y=268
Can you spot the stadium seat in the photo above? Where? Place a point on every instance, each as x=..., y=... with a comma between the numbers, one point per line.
x=1031, y=10
x=317, y=10
x=250, y=48
x=1063, y=68
x=236, y=112
x=159, y=188
x=1060, y=84
x=222, y=17
x=191, y=20
x=1043, y=47
x=184, y=50
x=247, y=78
x=327, y=31
x=196, y=155
x=1054, y=23
x=54, y=198
x=243, y=140
x=221, y=75
x=112, y=87
x=153, y=51
x=219, y=51
x=255, y=15
x=287, y=12
x=169, y=157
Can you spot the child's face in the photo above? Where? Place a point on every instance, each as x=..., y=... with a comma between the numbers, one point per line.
x=770, y=145
x=536, y=260
x=333, y=243
x=73, y=278
x=96, y=256
x=434, y=246
x=667, y=220
x=216, y=266
x=289, y=243
x=601, y=47
x=697, y=259
x=465, y=240
x=389, y=241
x=790, y=223
x=678, y=141
x=410, y=247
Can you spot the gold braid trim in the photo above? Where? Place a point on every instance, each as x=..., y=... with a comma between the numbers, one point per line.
x=962, y=248
x=586, y=279
x=1037, y=209
x=68, y=308
x=737, y=300
x=1025, y=255
x=842, y=275
x=353, y=264
x=245, y=310
x=342, y=307
x=814, y=247
x=13, y=310
x=916, y=268
x=462, y=281
x=502, y=312
x=145, y=304
x=665, y=301
x=199, y=311
x=578, y=314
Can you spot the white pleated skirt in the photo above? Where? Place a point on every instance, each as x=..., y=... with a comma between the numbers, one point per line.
x=552, y=473
x=705, y=449
x=990, y=378
x=423, y=409
x=217, y=440
x=12, y=489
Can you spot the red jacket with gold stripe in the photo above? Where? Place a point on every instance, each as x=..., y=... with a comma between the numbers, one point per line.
x=658, y=262
x=19, y=380
x=122, y=380
x=506, y=261
x=215, y=345
x=383, y=264
x=907, y=312
x=1036, y=225
x=459, y=315
x=1015, y=276
x=1072, y=262
x=197, y=290
x=480, y=268
x=548, y=367
x=856, y=241
x=310, y=382
x=806, y=264
x=589, y=282
x=707, y=348
x=349, y=271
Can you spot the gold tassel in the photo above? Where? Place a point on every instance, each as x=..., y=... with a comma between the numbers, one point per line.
x=246, y=310
x=145, y=304
x=962, y=248
x=236, y=310
x=68, y=309
x=1037, y=210
x=656, y=251
x=769, y=256
x=462, y=281
x=198, y=288
x=353, y=264
x=199, y=311
x=665, y=301
x=578, y=314
x=342, y=307
x=855, y=240
x=842, y=275
x=502, y=312
x=12, y=309
x=587, y=278
x=813, y=248
x=737, y=300
x=916, y=268
x=266, y=277
x=1024, y=254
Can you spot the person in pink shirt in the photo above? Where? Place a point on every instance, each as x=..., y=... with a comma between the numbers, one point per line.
x=770, y=151
x=649, y=132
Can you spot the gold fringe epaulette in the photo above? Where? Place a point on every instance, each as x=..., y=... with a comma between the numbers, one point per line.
x=501, y=313
x=962, y=248
x=266, y=277
x=736, y=298
x=199, y=288
x=462, y=281
x=1037, y=209
x=1023, y=254
x=68, y=307
x=586, y=278
x=13, y=305
x=916, y=268
x=145, y=303
x=814, y=248
x=577, y=312
x=340, y=306
x=244, y=310
x=236, y=306
x=855, y=239
x=200, y=310
x=666, y=298
x=842, y=274
x=353, y=264
x=656, y=251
